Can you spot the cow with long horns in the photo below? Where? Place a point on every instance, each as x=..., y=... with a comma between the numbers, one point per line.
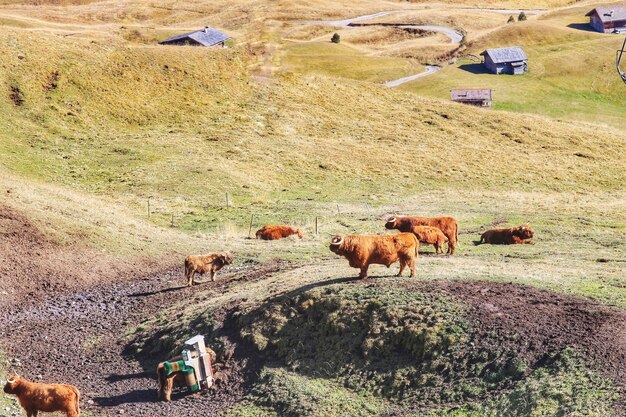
x=362, y=251
x=447, y=225
x=508, y=236
x=35, y=397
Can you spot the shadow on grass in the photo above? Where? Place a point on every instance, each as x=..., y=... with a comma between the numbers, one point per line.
x=581, y=26
x=474, y=68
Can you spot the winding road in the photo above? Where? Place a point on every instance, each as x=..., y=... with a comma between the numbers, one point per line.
x=455, y=36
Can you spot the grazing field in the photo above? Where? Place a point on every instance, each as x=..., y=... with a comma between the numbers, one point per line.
x=119, y=157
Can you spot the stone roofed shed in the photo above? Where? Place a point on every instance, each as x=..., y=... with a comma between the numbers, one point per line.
x=608, y=19
x=510, y=60
x=203, y=37
x=473, y=96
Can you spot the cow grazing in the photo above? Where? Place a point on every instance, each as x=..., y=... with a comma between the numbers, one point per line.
x=35, y=397
x=431, y=236
x=447, y=225
x=275, y=232
x=511, y=236
x=166, y=382
x=202, y=264
x=361, y=250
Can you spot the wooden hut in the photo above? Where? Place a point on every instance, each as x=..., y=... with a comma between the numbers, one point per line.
x=608, y=19
x=473, y=96
x=511, y=60
x=203, y=37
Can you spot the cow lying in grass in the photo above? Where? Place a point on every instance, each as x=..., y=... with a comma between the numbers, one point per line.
x=447, y=225
x=511, y=236
x=202, y=264
x=35, y=397
x=275, y=232
x=361, y=250
x=431, y=236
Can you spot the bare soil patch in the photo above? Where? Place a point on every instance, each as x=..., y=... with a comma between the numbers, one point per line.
x=534, y=324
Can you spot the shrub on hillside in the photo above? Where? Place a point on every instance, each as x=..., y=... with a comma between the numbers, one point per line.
x=521, y=17
x=511, y=19
x=336, y=38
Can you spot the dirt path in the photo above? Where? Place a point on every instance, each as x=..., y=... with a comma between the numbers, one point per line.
x=77, y=338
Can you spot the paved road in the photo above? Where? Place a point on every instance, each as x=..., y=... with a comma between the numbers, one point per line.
x=455, y=37
x=430, y=69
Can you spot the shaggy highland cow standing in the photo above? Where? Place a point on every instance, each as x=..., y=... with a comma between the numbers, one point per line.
x=202, y=264
x=35, y=397
x=361, y=250
x=430, y=236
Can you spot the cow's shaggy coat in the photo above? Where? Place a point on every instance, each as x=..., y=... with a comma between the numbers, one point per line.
x=431, y=236
x=275, y=232
x=35, y=397
x=362, y=251
x=511, y=236
x=202, y=264
x=447, y=225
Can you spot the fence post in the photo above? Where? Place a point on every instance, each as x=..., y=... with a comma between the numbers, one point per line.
x=149, y=206
x=250, y=229
x=172, y=219
x=317, y=232
x=227, y=202
x=338, y=212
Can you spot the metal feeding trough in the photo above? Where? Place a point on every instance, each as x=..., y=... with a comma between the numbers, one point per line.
x=195, y=365
x=618, y=61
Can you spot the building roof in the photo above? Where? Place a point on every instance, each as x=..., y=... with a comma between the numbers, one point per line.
x=502, y=55
x=604, y=12
x=207, y=37
x=473, y=94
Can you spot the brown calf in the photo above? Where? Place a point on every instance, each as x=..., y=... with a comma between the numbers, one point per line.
x=35, y=397
x=447, y=225
x=202, y=264
x=431, y=236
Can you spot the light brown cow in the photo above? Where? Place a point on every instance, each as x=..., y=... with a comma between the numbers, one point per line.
x=275, y=232
x=447, y=225
x=513, y=235
x=431, y=236
x=362, y=250
x=202, y=264
x=35, y=397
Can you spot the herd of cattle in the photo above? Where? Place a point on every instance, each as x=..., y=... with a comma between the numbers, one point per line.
x=364, y=250
x=360, y=250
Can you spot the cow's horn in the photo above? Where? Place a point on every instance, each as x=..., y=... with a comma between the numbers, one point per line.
x=336, y=240
x=391, y=219
x=11, y=381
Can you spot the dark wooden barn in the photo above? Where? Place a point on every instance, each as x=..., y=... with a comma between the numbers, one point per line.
x=511, y=60
x=203, y=37
x=608, y=19
x=473, y=96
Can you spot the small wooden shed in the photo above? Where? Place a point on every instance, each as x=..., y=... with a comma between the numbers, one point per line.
x=203, y=37
x=473, y=96
x=608, y=19
x=510, y=60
